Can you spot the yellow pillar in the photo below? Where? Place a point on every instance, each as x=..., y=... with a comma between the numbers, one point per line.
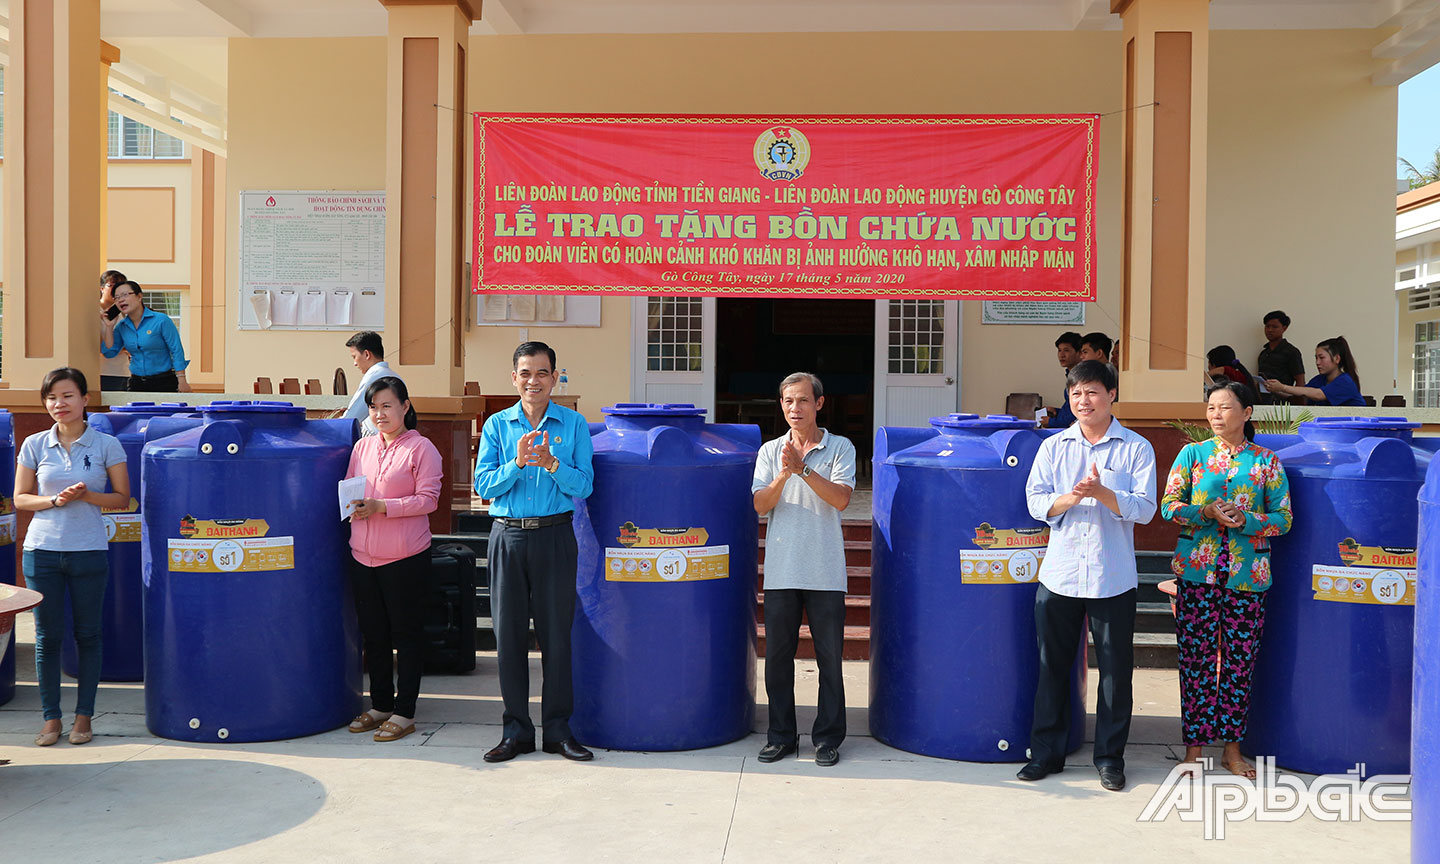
x=205, y=341
x=109, y=56
x=1167, y=47
x=424, y=192
x=52, y=174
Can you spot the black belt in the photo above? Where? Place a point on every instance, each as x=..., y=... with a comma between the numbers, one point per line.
x=530, y=523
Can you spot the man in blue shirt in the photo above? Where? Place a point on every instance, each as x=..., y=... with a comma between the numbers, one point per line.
x=1091, y=484
x=1067, y=351
x=534, y=459
x=157, y=359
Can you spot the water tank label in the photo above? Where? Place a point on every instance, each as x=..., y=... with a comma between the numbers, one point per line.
x=989, y=537
x=233, y=529
x=229, y=556
x=689, y=564
x=630, y=536
x=7, y=529
x=1000, y=566
x=122, y=527
x=1387, y=586
x=1354, y=555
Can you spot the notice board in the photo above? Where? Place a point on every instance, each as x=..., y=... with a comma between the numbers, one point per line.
x=312, y=260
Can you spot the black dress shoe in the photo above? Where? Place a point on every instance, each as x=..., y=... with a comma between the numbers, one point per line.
x=1112, y=778
x=1037, y=771
x=827, y=756
x=508, y=749
x=776, y=752
x=570, y=749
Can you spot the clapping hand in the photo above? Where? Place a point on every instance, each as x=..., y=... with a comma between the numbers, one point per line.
x=529, y=452
x=70, y=493
x=540, y=450
x=791, y=459
x=1087, y=487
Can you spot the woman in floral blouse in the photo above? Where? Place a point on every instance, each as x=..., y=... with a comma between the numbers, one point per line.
x=1229, y=497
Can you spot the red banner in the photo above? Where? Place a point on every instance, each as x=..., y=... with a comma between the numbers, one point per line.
x=965, y=207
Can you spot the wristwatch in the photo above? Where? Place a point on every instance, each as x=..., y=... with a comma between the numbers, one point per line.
x=806, y=471
x=554, y=465
x=54, y=500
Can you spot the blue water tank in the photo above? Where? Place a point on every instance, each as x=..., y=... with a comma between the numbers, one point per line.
x=8, y=538
x=953, y=654
x=664, y=636
x=250, y=632
x=1332, y=677
x=123, y=633
x=1425, y=704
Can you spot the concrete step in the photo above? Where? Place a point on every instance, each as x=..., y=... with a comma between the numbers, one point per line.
x=1147, y=561
x=856, y=645
x=1154, y=618
x=857, y=610
x=1152, y=651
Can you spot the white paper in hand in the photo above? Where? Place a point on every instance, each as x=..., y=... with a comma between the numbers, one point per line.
x=351, y=490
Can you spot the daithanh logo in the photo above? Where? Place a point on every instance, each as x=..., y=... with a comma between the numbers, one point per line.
x=1276, y=797
x=781, y=153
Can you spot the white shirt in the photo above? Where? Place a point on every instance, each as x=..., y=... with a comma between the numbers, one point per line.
x=1092, y=550
x=357, y=408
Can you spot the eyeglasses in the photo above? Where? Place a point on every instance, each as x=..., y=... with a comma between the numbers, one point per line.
x=120, y=296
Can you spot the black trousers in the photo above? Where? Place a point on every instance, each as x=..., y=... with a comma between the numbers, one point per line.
x=1059, y=626
x=825, y=611
x=388, y=600
x=532, y=574
x=118, y=382
x=165, y=382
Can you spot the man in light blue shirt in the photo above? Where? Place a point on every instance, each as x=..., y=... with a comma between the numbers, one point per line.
x=535, y=458
x=1091, y=483
x=367, y=352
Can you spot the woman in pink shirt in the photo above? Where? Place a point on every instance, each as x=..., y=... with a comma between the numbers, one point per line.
x=390, y=545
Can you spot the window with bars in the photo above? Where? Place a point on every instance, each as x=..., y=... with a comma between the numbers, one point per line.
x=131, y=139
x=672, y=343
x=917, y=337
x=1427, y=364
x=166, y=303
x=1428, y=297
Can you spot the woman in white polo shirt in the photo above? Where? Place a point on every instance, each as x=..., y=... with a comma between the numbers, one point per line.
x=59, y=475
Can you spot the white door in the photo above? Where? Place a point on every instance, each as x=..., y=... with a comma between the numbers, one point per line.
x=672, y=357
x=917, y=361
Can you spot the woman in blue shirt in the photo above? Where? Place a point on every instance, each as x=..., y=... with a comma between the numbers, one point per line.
x=157, y=359
x=1338, y=382
x=60, y=476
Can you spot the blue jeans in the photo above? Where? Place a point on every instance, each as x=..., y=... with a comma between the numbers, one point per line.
x=84, y=575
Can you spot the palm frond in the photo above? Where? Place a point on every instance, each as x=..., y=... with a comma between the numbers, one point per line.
x=1280, y=419
x=1193, y=432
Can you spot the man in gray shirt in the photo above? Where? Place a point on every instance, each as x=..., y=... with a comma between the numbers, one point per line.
x=803, y=480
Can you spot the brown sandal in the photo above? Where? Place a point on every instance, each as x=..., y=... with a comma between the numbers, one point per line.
x=392, y=731
x=365, y=722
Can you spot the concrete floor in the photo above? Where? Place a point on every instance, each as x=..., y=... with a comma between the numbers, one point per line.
x=130, y=797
